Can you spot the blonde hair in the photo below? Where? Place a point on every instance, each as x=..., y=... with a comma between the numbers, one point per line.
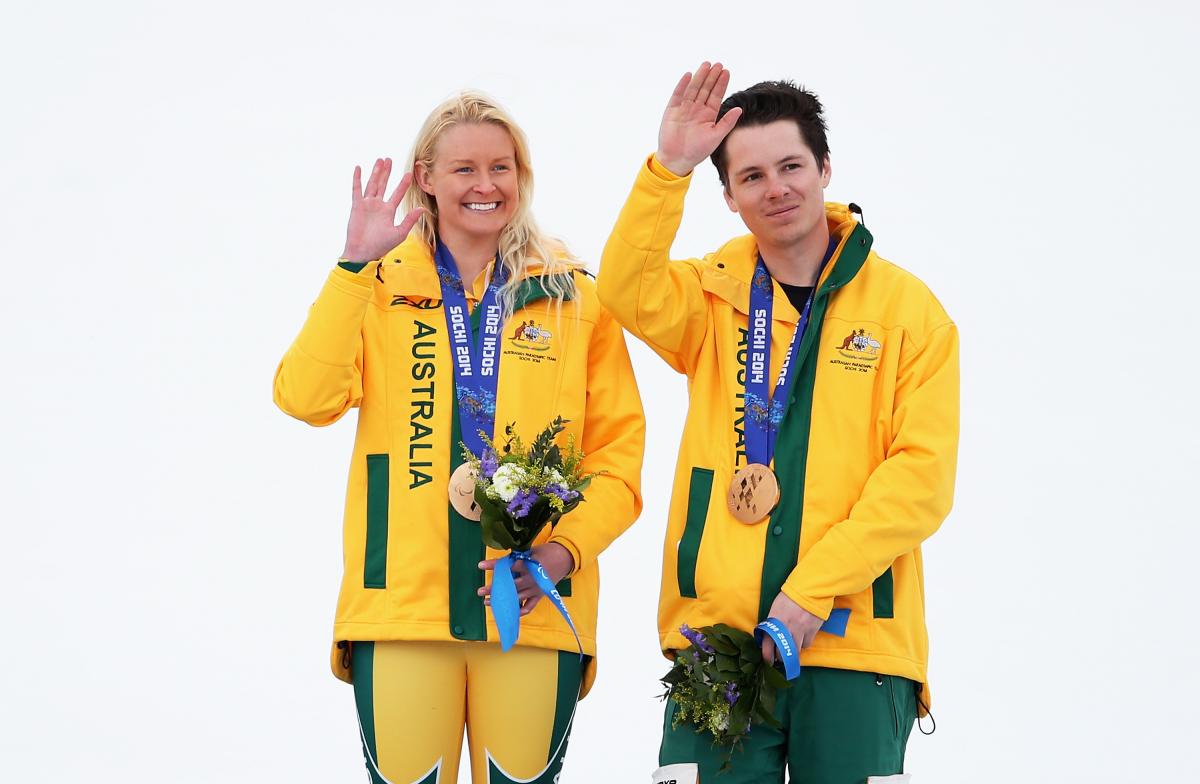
x=521, y=241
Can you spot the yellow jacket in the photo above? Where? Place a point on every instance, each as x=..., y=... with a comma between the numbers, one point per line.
x=376, y=340
x=865, y=457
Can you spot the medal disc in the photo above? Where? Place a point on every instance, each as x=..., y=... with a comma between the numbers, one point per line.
x=753, y=493
x=462, y=492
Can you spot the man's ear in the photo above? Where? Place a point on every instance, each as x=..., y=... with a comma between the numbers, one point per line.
x=421, y=175
x=729, y=199
x=826, y=172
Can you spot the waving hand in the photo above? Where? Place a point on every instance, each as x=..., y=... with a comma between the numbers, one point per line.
x=372, y=230
x=690, y=131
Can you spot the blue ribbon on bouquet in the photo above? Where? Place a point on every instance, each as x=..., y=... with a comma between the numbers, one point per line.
x=506, y=606
x=785, y=644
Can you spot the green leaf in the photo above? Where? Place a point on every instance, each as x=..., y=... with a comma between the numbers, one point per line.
x=751, y=650
x=774, y=677
x=721, y=644
x=675, y=676
x=727, y=664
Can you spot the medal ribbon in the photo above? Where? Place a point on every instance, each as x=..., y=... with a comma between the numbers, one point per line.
x=765, y=411
x=476, y=372
x=785, y=644
x=506, y=606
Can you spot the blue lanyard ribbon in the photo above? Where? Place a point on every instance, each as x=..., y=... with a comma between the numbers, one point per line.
x=785, y=644
x=765, y=411
x=506, y=606
x=477, y=369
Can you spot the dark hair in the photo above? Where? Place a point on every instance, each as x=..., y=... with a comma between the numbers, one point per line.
x=767, y=102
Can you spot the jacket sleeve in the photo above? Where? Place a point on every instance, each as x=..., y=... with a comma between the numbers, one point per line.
x=613, y=442
x=660, y=302
x=320, y=377
x=907, y=496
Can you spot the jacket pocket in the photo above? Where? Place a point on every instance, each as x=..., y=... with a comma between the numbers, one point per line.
x=882, y=595
x=375, y=560
x=699, y=493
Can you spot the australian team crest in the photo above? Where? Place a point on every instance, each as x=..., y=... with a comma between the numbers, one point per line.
x=860, y=345
x=531, y=336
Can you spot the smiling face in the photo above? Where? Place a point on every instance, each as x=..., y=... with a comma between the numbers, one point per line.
x=775, y=184
x=473, y=180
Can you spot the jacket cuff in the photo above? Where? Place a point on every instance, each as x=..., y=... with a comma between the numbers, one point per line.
x=662, y=172
x=355, y=283
x=818, y=607
x=572, y=548
x=352, y=266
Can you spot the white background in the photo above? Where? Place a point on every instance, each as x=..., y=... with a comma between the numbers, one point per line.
x=175, y=182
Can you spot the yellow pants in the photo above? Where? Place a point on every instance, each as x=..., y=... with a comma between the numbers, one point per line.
x=414, y=698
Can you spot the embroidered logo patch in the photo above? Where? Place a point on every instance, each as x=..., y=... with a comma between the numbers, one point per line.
x=859, y=351
x=860, y=344
x=530, y=341
x=531, y=336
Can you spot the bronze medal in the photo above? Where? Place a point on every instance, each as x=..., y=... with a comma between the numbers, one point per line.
x=753, y=493
x=462, y=492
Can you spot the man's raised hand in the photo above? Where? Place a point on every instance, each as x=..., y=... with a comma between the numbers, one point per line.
x=372, y=230
x=690, y=131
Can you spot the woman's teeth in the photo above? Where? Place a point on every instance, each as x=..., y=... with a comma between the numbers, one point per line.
x=488, y=207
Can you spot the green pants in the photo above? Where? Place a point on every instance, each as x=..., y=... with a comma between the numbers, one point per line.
x=839, y=727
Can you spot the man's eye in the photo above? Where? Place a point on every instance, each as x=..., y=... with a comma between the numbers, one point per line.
x=750, y=177
x=791, y=167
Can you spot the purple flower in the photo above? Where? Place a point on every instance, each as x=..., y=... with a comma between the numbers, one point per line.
x=488, y=463
x=562, y=492
x=696, y=638
x=521, y=503
x=731, y=693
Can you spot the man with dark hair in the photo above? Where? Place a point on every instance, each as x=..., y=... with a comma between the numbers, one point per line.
x=768, y=102
x=821, y=438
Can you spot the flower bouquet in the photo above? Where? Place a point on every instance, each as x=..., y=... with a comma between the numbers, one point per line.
x=721, y=685
x=519, y=491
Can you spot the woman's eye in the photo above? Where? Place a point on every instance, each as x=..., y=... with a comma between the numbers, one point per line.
x=463, y=170
x=500, y=167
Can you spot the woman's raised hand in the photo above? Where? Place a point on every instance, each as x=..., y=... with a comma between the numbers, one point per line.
x=372, y=230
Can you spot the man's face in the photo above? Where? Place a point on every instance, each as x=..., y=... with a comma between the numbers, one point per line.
x=774, y=182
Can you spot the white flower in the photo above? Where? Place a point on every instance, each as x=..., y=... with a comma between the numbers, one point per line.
x=555, y=477
x=507, y=480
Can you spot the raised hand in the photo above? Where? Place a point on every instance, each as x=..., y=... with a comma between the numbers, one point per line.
x=372, y=230
x=690, y=132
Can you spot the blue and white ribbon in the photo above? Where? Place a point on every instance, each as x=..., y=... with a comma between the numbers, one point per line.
x=785, y=643
x=506, y=605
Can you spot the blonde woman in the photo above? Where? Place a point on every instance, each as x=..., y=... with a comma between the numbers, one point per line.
x=413, y=631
